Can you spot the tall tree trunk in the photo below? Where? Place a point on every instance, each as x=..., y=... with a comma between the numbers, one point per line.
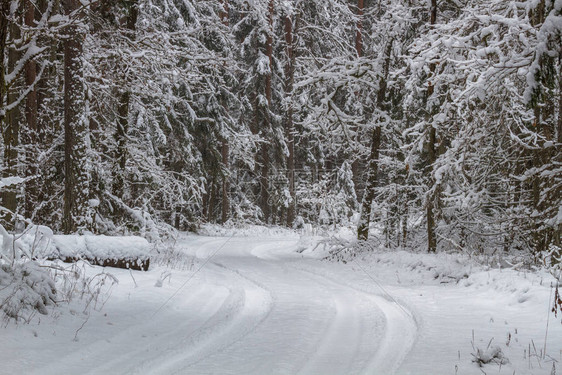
x=11, y=131
x=405, y=225
x=359, y=32
x=264, y=177
x=430, y=214
x=48, y=75
x=30, y=76
x=4, y=13
x=559, y=125
x=372, y=167
x=359, y=52
x=225, y=149
x=558, y=229
x=123, y=111
x=212, y=200
x=373, y=163
x=225, y=186
x=76, y=189
x=289, y=125
x=31, y=119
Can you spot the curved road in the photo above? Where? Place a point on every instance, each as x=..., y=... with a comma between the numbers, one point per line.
x=251, y=310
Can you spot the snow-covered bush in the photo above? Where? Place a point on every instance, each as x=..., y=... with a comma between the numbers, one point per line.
x=491, y=354
x=169, y=255
x=25, y=288
x=28, y=284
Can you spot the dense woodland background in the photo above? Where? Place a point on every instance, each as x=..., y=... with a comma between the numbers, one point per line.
x=439, y=122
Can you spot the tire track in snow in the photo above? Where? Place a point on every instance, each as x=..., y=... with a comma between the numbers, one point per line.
x=233, y=322
x=399, y=335
x=338, y=347
x=352, y=340
x=254, y=320
x=223, y=318
x=254, y=312
x=85, y=360
x=399, y=338
x=281, y=348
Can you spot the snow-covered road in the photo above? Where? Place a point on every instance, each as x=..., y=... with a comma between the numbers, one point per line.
x=278, y=319
x=259, y=306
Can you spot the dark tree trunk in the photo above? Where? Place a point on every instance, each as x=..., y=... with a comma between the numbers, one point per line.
x=269, y=52
x=11, y=131
x=4, y=13
x=123, y=112
x=558, y=230
x=289, y=125
x=224, y=191
x=30, y=76
x=212, y=200
x=121, y=138
x=372, y=167
x=559, y=125
x=373, y=163
x=31, y=120
x=359, y=52
x=45, y=81
x=430, y=214
x=225, y=150
x=264, y=177
x=76, y=184
x=359, y=33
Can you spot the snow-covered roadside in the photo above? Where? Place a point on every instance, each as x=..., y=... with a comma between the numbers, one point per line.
x=264, y=304
x=461, y=306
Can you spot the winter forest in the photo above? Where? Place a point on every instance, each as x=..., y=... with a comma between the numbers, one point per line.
x=441, y=121
x=428, y=125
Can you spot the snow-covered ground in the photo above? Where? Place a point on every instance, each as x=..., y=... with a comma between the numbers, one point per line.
x=266, y=304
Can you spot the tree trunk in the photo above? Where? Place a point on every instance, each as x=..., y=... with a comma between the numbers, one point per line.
x=405, y=226
x=225, y=201
x=372, y=167
x=559, y=125
x=430, y=214
x=11, y=131
x=211, y=200
x=359, y=52
x=558, y=229
x=4, y=13
x=31, y=120
x=123, y=112
x=30, y=76
x=225, y=146
x=359, y=33
x=373, y=164
x=289, y=125
x=264, y=178
x=76, y=189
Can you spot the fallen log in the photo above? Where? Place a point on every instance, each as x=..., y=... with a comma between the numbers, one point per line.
x=133, y=264
x=127, y=252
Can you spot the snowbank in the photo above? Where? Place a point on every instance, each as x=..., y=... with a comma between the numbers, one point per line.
x=123, y=252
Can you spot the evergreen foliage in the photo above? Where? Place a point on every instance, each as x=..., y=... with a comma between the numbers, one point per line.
x=437, y=123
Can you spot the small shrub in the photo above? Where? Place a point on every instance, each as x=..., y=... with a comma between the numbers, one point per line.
x=25, y=289
x=492, y=354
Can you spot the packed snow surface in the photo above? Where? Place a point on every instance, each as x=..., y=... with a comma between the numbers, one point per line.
x=267, y=305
